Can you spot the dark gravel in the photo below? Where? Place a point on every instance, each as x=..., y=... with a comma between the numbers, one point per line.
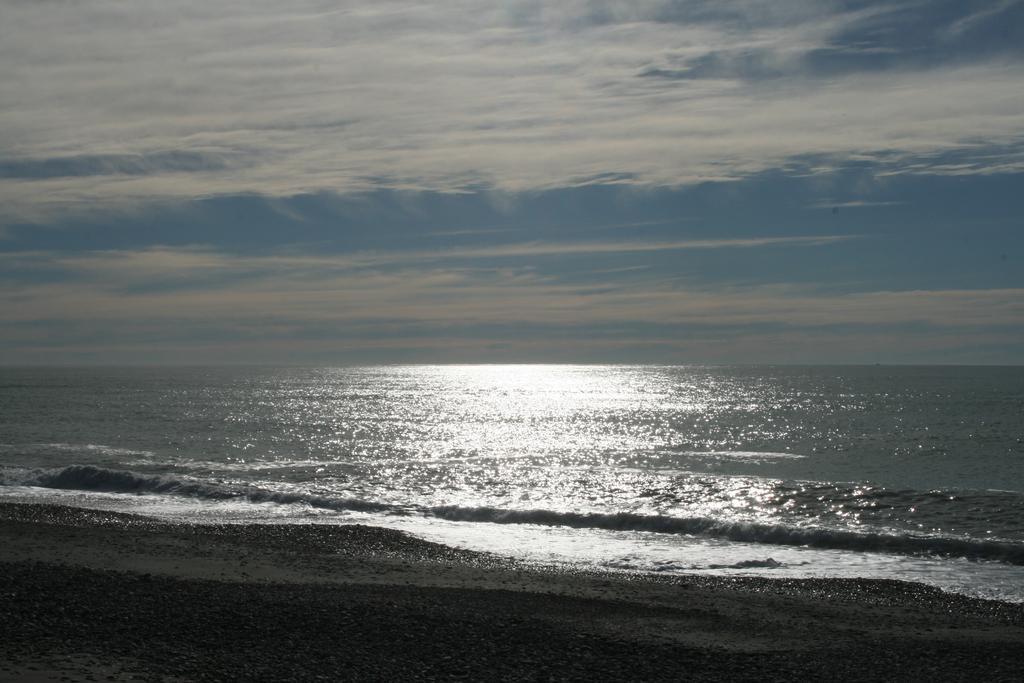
x=156, y=627
x=362, y=603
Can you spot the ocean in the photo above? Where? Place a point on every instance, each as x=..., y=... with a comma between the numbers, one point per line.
x=913, y=473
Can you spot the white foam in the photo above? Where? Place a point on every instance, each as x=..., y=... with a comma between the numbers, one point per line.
x=629, y=551
x=91, y=478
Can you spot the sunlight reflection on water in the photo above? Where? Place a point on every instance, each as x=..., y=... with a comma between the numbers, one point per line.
x=723, y=453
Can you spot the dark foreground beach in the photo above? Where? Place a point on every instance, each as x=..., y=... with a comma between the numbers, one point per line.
x=96, y=595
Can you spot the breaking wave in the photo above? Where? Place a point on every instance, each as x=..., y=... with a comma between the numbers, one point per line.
x=768, y=563
x=92, y=478
x=748, y=532
x=100, y=479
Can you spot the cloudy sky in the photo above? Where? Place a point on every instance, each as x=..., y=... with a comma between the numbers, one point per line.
x=673, y=181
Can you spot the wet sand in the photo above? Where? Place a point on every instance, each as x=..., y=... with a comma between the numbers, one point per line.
x=121, y=597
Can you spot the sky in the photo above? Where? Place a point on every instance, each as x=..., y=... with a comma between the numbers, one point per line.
x=653, y=181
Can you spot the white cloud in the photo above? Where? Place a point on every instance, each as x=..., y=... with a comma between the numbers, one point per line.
x=163, y=264
x=311, y=95
x=200, y=286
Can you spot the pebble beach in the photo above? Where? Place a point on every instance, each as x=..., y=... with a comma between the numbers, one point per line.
x=93, y=595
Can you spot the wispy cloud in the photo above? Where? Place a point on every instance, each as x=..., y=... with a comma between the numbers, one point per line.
x=114, y=164
x=146, y=100
x=198, y=285
x=163, y=264
x=503, y=174
x=468, y=315
x=852, y=204
x=174, y=303
x=584, y=247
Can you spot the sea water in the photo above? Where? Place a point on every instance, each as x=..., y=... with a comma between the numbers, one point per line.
x=912, y=473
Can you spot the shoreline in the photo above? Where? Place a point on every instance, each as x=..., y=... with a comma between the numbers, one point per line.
x=87, y=592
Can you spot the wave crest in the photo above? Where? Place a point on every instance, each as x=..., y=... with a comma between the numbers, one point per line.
x=92, y=478
x=748, y=532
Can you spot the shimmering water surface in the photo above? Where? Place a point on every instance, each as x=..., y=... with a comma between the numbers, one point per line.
x=911, y=472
